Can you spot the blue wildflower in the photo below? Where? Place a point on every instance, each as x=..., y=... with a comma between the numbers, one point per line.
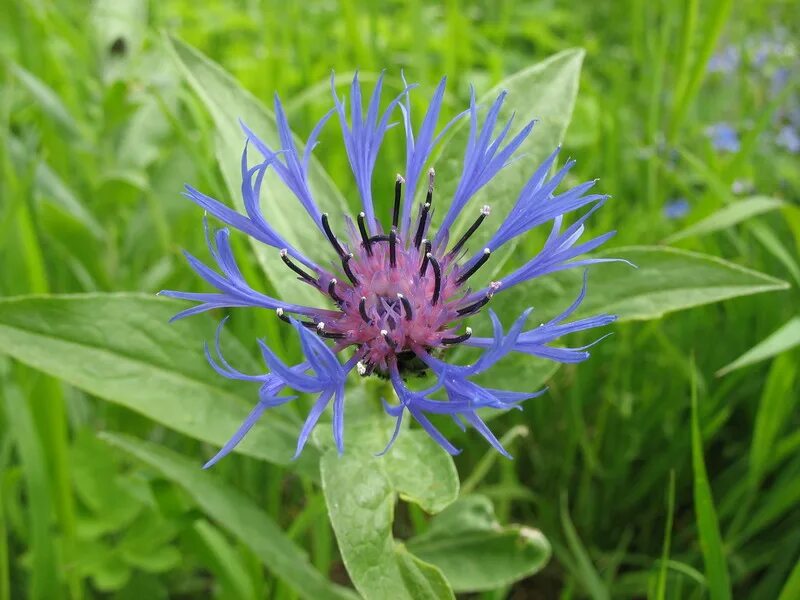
x=723, y=137
x=789, y=138
x=398, y=294
x=676, y=209
x=725, y=61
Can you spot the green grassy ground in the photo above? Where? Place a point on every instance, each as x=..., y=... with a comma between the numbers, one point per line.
x=98, y=134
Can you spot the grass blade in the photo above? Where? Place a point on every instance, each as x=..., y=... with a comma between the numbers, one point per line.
x=719, y=585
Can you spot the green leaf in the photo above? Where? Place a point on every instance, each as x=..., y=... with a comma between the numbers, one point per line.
x=784, y=338
x=711, y=546
x=121, y=348
x=53, y=189
x=546, y=92
x=728, y=216
x=585, y=570
x=44, y=572
x=224, y=561
x=791, y=589
x=227, y=102
x=48, y=100
x=361, y=490
x=775, y=407
x=474, y=552
x=665, y=280
x=238, y=515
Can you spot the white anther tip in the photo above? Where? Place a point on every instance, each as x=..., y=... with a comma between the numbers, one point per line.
x=400, y=178
x=486, y=210
x=362, y=214
x=362, y=370
x=469, y=330
x=334, y=281
x=399, y=296
x=429, y=255
x=284, y=252
x=384, y=332
x=487, y=251
x=279, y=312
x=320, y=326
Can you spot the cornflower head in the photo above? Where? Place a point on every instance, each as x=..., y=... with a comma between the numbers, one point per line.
x=398, y=293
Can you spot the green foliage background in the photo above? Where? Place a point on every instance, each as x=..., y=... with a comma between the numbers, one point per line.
x=666, y=466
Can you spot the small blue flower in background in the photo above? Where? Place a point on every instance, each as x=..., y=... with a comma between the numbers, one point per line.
x=725, y=61
x=676, y=209
x=789, y=138
x=723, y=137
x=398, y=294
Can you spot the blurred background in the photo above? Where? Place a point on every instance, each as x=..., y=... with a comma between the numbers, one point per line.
x=684, y=108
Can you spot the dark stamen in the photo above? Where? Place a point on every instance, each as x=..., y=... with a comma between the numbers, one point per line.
x=303, y=275
x=362, y=309
x=426, y=248
x=478, y=264
x=392, y=250
x=282, y=316
x=331, y=335
x=398, y=186
x=476, y=306
x=431, y=177
x=332, y=238
x=406, y=306
x=458, y=339
x=471, y=230
x=332, y=291
x=392, y=344
x=423, y=217
x=348, y=271
x=437, y=278
x=362, y=227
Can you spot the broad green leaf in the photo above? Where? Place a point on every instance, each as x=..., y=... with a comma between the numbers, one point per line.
x=361, y=490
x=544, y=92
x=711, y=545
x=474, y=552
x=665, y=280
x=227, y=102
x=781, y=340
x=238, y=515
x=728, y=216
x=121, y=348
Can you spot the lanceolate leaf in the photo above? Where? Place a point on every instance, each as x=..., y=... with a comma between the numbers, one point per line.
x=227, y=102
x=120, y=347
x=728, y=216
x=544, y=92
x=665, y=280
x=236, y=513
x=785, y=338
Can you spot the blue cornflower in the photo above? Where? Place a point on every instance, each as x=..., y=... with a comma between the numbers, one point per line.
x=789, y=138
x=398, y=293
x=725, y=60
x=723, y=137
x=676, y=209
